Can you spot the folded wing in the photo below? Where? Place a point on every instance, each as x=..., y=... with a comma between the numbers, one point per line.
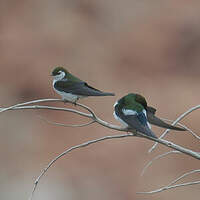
x=135, y=121
x=152, y=119
x=79, y=88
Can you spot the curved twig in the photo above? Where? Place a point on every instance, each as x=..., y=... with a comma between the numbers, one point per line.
x=30, y=102
x=91, y=115
x=39, y=107
x=156, y=158
x=88, y=109
x=101, y=122
x=71, y=149
x=94, y=117
x=183, y=176
x=66, y=125
x=174, y=123
x=171, y=185
x=185, y=127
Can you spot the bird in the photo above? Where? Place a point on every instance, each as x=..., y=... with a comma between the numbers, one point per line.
x=72, y=88
x=132, y=111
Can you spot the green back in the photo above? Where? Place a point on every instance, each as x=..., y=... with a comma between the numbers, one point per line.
x=133, y=102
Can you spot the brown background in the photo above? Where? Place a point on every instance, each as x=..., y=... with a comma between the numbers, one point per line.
x=149, y=47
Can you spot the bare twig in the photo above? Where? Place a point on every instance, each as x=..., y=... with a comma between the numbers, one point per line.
x=174, y=123
x=71, y=149
x=66, y=125
x=171, y=185
x=39, y=107
x=88, y=109
x=183, y=176
x=29, y=102
x=101, y=122
x=91, y=115
x=156, y=158
x=182, y=125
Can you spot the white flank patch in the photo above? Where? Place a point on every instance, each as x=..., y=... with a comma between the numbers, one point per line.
x=115, y=103
x=129, y=112
x=68, y=96
x=120, y=120
x=148, y=124
x=144, y=111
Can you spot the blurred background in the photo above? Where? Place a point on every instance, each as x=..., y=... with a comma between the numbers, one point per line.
x=148, y=47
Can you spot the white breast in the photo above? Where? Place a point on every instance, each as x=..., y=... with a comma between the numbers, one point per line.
x=120, y=120
x=67, y=96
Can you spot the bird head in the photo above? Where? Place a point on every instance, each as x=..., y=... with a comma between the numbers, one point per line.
x=60, y=73
x=133, y=101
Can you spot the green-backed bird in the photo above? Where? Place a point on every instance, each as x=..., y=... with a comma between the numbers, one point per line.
x=72, y=88
x=133, y=112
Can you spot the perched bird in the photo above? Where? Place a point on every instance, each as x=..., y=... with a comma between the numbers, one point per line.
x=133, y=112
x=72, y=88
x=130, y=111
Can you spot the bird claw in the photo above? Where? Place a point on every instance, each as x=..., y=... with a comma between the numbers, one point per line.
x=66, y=101
x=72, y=102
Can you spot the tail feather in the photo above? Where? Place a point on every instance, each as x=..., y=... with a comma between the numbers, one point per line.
x=106, y=94
x=158, y=122
x=99, y=93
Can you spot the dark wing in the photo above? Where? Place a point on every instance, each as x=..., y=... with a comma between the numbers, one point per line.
x=137, y=122
x=152, y=119
x=79, y=88
x=151, y=110
x=134, y=122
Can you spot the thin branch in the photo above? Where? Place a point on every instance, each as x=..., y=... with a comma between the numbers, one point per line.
x=184, y=175
x=94, y=117
x=182, y=125
x=30, y=102
x=91, y=116
x=88, y=109
x=77, y=147
x=170, y=187
x=156, y=158
x=103, y=123
x=39, y=107
x=66, y=125
x=174, y=123
x=171, y=121
x=71, y=149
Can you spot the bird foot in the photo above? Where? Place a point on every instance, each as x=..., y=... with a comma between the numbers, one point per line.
x=67, y=101
x=74, y=103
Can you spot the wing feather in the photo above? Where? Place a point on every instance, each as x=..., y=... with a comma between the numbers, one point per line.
x=135, y=121
x=79, y=88
x=152, y=119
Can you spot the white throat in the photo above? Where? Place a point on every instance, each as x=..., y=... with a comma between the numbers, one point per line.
x=59, y=76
